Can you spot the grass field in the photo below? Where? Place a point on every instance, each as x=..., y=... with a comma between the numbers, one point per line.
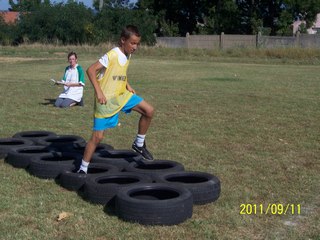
x=251, y=120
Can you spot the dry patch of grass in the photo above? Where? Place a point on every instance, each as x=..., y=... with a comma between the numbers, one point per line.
x=20, y=59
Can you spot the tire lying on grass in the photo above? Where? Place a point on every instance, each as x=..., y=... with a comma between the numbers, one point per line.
x=103, y=188
x=154, y=204
x=62, y=142
x=34, y=135
x=204, y=187
x=21, y=157
x=153, y=168
x=7, y=144
x=75, y=181
x=52, y=165
x=120, y=158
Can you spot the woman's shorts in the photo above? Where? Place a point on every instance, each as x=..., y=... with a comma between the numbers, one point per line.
x=100, y=124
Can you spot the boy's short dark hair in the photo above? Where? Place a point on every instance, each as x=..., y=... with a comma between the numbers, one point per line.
x=128, y=31
x=72, y=53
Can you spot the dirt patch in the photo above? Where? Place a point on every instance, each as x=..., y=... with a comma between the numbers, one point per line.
x=60, y=53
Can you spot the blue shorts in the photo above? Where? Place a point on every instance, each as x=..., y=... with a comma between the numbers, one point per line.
x=100, y=124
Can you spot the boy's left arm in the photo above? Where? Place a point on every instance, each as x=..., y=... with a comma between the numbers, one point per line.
x=130, y=89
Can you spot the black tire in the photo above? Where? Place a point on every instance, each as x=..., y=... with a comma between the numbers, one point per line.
x=21, y=157
x=7, y=144
x=81, y=147
x=204, y=187
x=53, y=165
x=102, y=189
x=155, y=167
x=74, y=181
x=120, y=158
x=62, y=142
x=154, y=204
x=34, y=135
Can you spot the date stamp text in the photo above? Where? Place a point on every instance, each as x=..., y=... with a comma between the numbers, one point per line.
x=271, y=209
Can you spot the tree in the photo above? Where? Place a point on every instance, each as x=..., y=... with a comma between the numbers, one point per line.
x=57, y=23
x=193, y=16
x=100, y=4
x=7, y=32
x=306, y=10
x=276, y=15
x=26, y=5
x=109, y=22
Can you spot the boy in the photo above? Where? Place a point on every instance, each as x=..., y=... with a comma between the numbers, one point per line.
x=114, y=94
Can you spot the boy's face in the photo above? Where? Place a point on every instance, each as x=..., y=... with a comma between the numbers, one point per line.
x=130, y=45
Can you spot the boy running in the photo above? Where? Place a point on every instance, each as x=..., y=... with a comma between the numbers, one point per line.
x=114, y=94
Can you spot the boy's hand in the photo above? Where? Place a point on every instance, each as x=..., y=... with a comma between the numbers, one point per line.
x=101, y=98
x=130, y=89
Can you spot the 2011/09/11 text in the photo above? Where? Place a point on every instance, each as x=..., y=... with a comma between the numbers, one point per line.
x=271, y=208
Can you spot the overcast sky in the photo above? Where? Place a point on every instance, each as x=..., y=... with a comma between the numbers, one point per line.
x=4, y=4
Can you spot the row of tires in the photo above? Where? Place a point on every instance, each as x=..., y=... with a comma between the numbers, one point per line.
x=151, y=193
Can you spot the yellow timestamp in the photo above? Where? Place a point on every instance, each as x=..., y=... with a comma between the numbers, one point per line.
x=271, y=208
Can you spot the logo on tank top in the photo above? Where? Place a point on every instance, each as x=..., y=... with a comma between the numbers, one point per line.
x=119, y=78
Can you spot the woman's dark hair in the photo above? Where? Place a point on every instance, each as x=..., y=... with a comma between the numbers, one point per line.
x=72, y=53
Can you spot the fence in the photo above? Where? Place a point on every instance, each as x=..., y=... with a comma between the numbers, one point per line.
x=225, y=41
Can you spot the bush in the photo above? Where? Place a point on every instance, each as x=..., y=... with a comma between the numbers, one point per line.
x=73, y=23
x=7, y=33
x=68, y=24
x=110, y=21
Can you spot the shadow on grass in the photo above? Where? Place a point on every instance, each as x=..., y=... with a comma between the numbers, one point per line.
x=108, y=208
x=49, y=101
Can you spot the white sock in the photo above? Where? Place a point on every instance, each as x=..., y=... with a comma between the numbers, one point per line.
x=140, y=140
x=84, y=166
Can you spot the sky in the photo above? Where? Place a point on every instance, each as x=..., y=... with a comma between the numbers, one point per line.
x=4, y=4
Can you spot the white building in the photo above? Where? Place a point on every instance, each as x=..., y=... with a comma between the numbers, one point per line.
x=313, y=30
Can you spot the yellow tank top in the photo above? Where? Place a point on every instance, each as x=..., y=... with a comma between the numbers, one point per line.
x=113, y=85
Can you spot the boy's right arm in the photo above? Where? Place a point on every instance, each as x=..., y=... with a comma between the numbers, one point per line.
x=92, y=75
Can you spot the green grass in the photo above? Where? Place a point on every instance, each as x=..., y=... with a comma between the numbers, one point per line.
x=252, y=120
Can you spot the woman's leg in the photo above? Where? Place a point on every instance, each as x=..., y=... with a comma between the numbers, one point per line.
x=58, y=102
x=67, y=102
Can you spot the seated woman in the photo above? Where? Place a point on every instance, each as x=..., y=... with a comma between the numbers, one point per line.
x=73, y=82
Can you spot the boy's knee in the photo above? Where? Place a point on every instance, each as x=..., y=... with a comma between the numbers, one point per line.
x=97, y=138
x=150, y=111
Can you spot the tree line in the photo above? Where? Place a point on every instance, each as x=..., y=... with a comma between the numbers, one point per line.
x=74, y=23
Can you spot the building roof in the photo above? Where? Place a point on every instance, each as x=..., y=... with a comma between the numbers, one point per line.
x=9, y=17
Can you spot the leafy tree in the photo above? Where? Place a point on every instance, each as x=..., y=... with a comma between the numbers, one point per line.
x=110, y=21
x=26, y=5
x=276, y=15
x=6, y=32
x=229, y=16
x=112, y=4
x=193, y=16
x=306, y=10
x=226, y=17
x=68, y=23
